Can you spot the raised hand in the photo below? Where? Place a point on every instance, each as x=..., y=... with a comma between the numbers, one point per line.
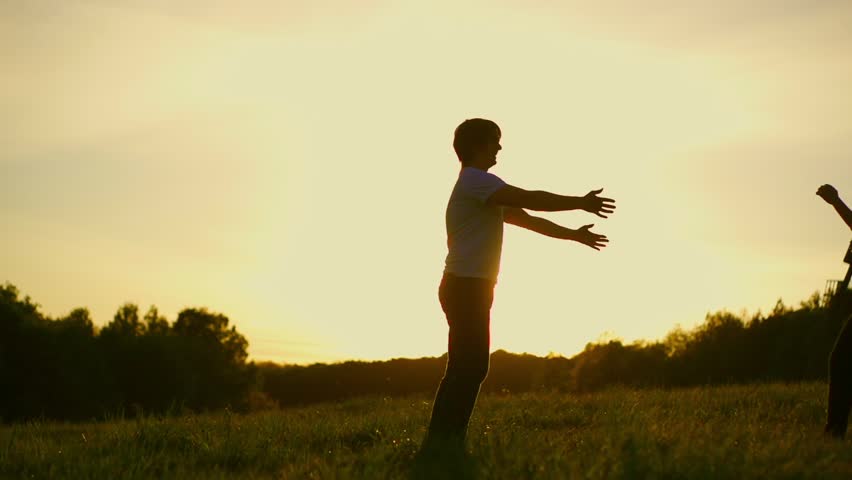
x=828, y=193
x=592, y=203
x=586, y=237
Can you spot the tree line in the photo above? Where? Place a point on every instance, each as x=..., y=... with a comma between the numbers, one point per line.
x=66, y=368
x=786, y=345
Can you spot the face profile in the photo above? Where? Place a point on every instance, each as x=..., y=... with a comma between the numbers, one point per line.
x=490, y=151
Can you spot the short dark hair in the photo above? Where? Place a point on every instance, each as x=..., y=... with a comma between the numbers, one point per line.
x=472, y=134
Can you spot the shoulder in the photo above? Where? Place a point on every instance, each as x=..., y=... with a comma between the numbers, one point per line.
x=478, y=184
x=475, y=176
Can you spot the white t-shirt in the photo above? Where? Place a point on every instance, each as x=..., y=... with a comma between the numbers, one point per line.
x=474, y=229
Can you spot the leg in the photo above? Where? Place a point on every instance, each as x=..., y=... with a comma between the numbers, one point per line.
x=840, y=383
x=467, y=303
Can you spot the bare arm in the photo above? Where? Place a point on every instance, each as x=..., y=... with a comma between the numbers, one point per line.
x=510, y=196
x=830, y=195
x=844, y=212
x=520, y=218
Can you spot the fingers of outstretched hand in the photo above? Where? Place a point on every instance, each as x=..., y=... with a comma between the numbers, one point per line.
x=604, y=207
x=597, y=244
x=593, y=239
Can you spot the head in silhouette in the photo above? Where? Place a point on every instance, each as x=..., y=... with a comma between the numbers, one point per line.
x=477, y=142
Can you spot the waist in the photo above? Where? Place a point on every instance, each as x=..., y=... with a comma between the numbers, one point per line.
x=453, y=278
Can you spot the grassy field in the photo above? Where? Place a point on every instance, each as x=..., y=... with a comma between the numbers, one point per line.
x=760, y=431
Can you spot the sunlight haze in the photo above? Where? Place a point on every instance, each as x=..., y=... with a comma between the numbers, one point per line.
x=288, y=164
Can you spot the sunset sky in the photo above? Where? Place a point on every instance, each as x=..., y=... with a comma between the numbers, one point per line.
x=288, y=163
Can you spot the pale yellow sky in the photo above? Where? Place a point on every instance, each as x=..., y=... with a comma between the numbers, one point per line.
x=288, y=163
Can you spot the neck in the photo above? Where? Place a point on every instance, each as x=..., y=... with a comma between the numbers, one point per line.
x=478, y=165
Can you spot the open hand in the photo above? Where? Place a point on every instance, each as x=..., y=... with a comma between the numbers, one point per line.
x=828, y=193
x=586, y=237
x=592, y=203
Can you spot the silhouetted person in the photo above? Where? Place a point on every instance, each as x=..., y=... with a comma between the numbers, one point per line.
x=479, y=205
x=840, y=363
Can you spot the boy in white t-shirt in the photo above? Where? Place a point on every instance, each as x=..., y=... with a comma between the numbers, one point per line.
x=479, y=205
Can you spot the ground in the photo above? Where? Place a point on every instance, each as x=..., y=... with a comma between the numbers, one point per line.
x=754, y=431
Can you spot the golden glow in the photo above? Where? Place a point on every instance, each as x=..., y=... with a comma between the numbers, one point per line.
x=289, y=166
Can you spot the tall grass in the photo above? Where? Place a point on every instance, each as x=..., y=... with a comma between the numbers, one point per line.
x=759, y=431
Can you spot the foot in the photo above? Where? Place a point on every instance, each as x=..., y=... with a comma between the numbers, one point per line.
x=835, y=431
x=446, y=460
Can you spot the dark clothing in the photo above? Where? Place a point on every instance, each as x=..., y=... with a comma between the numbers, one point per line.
x=466, y=302
x=840, y=382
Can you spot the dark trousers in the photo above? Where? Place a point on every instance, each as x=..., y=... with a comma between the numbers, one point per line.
x=467, y=303
x=840, y=382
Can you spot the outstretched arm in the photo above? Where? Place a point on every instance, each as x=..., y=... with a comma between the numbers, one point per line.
x=517, y=216
x=830, y=195
x=509, y=196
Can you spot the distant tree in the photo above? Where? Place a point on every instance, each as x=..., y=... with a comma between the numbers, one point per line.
x=125, y=323
x=213, y=358
x=126, y=360
x=513, y=373
x=78, y=323
x=814, y=302
x=718, y=350
x=47, y=367
x=613, y=363
x=19, y=327
x=75, y=368
x=155, y=324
